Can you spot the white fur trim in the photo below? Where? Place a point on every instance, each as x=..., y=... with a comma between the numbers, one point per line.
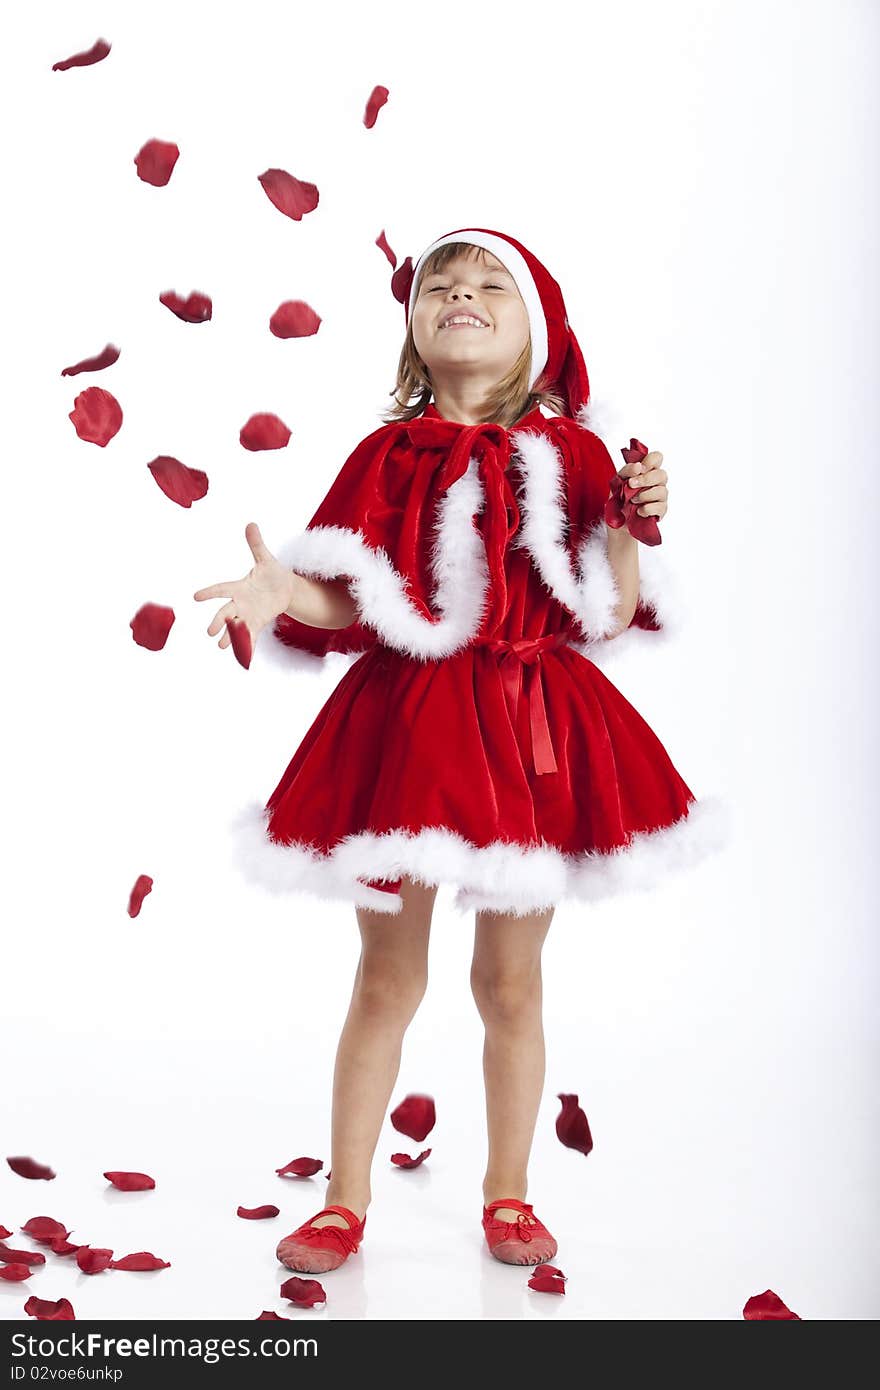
x=533, y=877
x=458, y=565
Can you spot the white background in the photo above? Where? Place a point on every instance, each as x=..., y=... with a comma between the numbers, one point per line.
x=698, y=177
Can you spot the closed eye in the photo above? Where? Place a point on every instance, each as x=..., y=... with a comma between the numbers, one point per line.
x=443, y=287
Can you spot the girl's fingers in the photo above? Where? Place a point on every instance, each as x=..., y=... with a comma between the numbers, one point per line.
x=219, y=618
x=654, y=494
x=255, y=541
x=652, y=509
x=216, y=590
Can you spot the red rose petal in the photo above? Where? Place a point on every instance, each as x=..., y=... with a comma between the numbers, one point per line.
x=290, y=195
x=572, y=1127
x=93, y=1259
x=383, y=246
x=404, y=1160
x=131, y=1182
x=141, y=1259
x=768, y=1306
x=47, y=1310
x=401, y=280
x=60, y=1245
x=305, y=1293
x=143, y=886
x=4, y=1233
x=44, y=1229
x=13, y=1274
x=196, y=308
x=294, y=319
x=183, y=485
x=151, y=625
x=415, y=1117
x=264, y=431
x=29, y=1168
x=99, y=49
x=547, y=1279
x=96, y=415
x=23, y=1257
x=301, y=1167
x=240, y=641
x=270, y=1317
x=376, y=100
x=105, y=358
x=257, y=1213
x=155, y=162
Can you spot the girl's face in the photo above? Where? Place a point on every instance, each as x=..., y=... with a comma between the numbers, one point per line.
x=475, y=286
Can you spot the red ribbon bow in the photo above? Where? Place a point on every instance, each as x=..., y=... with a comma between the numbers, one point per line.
x=621, y=507
x=527, y=651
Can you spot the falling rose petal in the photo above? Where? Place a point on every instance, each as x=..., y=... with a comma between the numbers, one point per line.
x=155, y=162
x=305, y=1293
x=13, y=1274
x=240, y=641
x=143, y=886
x=290, y=195
x=768, y=1306
x=151, y=625
x=131, y=1182
x=301, y=1167
x=47, y=1310
x=257, y=1213
x=196, y=308
x=99, y=49
x=4, y=1233
x=547, y=1279
x=382, y=243
x=572, y=1127
x=93, y=1259
x=44, y=1229
x=60, y=1245
x=376, y=100
x=141, y=1259
x=404, y=1160
x=183, y=485
x=105, y=358
x=264, y=431
x=29, y=1168
x=96, y=415
x=24, y=1257
x=415, y=1117
x=401, y=281
x=294, y=319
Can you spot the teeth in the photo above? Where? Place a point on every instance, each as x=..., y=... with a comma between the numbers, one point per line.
x=463, y=318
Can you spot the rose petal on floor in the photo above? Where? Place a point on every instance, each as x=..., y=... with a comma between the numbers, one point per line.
x=131, y=1182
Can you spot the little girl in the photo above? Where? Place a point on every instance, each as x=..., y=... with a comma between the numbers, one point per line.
x=463, y=557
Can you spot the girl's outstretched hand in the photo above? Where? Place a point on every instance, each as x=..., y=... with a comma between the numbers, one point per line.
x=255, y=601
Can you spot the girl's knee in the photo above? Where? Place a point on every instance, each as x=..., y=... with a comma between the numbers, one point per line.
x=505, y=995
x=384, y=990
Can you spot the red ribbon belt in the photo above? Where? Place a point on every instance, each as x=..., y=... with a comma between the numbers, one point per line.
x=527, y=651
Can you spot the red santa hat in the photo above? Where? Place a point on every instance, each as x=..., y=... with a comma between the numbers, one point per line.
x=557, y=361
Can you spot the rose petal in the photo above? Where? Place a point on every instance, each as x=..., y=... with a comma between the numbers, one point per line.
x=183, y=485
x=301, y=1167
x=93, y=1259
x=401, y=280
x=151, y=625
x=141, y=1259
x=47, y=1310
x=621, y=508
x=376, y=100
x=404, y=1160
x=542, y=1282
x=155, y=162
x=143, y=885
x=257, y=1213
x=305, y=1293
x=23, y=1257
x=290, y=195
x=294, y=319
x=572, y=1127
x=240, y=641
x=270, y=1317
x=60, y=1245
x=44, y=1229
x=4, y=1233
x=415, y=1117
x=105, y=358
x=196, y=308
x=14, y=1273
x=96, y=415
x=264, y=431
x=29, y=1168
x=383, y=246
x=99, y=49
x=131, y=1182
x=768, y=1306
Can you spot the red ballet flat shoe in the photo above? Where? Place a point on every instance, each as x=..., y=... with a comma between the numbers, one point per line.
x=525, y=1241
x=316, y=1249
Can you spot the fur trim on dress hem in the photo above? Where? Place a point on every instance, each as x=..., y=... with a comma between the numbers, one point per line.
x=533, y=877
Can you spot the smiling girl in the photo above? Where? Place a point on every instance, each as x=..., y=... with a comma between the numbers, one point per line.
x=461, y=556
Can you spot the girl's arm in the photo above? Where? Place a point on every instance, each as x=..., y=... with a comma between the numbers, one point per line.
x=320, y=602
x=623, y=556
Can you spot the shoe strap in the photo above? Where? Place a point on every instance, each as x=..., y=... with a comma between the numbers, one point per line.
x=351, y=1217
x=513, y=1202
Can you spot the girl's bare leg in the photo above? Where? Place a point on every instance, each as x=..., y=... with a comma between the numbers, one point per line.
x=507, y=987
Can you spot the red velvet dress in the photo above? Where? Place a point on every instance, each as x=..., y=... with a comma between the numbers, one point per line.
x=473, y=741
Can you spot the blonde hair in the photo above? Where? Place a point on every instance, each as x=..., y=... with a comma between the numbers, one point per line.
x=506, y=403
